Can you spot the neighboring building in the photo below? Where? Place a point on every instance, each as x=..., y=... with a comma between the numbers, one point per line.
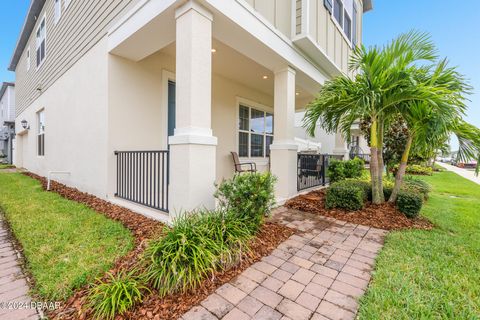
x=189, y=80
x=7, y=121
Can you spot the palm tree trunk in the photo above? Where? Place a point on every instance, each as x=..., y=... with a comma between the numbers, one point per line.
x=374, y=163
x=401, y=171
x=381, y=164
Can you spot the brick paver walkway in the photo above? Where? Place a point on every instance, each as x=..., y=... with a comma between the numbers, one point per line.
x=13, y=287
x=318, y=273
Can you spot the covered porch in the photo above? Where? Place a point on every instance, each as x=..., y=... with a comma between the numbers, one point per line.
x=187, y=86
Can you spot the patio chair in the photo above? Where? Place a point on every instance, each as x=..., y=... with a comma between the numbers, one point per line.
x=252, y=166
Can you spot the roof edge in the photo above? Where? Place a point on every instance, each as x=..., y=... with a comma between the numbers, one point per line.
x=34, y=10
x=367, y=5
x=4, y=87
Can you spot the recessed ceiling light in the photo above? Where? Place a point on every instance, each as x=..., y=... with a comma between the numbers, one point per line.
x=297, y=93
x=265, y=77
x=214, y=50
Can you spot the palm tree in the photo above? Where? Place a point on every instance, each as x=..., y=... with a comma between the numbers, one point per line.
x=430, y=122
x=384, y=80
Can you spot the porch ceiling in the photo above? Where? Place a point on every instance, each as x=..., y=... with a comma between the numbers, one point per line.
x=235, y=66
x=241, y=56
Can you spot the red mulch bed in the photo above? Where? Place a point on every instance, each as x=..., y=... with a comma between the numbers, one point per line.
x=172, y=307
x=384, y=216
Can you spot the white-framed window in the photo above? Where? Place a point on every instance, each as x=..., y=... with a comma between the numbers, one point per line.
x=58, y=11
x=347, y=26
x=343, y=17
x=255, y=132
x=41, y=132
x=41, y=42
x=28, y=58
x=354, y=25
x=338, y=11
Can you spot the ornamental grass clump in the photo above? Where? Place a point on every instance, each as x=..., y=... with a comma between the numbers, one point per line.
x=116, y=295
x=195, y=247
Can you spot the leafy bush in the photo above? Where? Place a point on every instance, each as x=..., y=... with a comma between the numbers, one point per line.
x=409, y=203
x=415, y=169
x=345, y=194
x=366, y=187
x=249, y=195
x=196, y=246
x=116, y=295
x=340, y=170
x=417, y=186
x=354, y=168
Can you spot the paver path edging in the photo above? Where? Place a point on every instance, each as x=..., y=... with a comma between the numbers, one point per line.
x=318, y=273
x=13, y=286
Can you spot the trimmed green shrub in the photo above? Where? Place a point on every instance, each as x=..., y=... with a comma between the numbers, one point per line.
x=336, y=170
x=409, y=203
x=366, y=187
x=196, y=246
x=346, y=195
x=249, y=195
x=340, y=170
x=416, y=185
x=354, y=168
x=415, y=169
x=387, y=192
x=116, y=295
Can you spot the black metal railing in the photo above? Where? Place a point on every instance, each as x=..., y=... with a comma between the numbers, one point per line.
x=312, y=169
x=143, y=177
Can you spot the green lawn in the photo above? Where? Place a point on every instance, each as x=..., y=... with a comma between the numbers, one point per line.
x=432, y=274
x=65, y=243
x=6, y=166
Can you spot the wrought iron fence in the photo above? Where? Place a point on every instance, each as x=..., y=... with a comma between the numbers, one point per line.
x=312, y=170
x=143, y=177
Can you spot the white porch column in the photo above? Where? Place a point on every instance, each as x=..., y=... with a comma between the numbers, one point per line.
x=341, y=146
x=193, y=147
x=283, y=152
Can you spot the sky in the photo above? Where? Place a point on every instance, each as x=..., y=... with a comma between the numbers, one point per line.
x=454, y=29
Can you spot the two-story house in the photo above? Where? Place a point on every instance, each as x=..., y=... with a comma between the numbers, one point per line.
x=7, y=121
x=141, y=102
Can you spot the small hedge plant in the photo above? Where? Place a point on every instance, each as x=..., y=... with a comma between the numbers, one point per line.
x=415, y=169
x=116, y=295
x=340, y=170
x=416, y=185
x=249, y=195
x=347, y=195
x=409, y=203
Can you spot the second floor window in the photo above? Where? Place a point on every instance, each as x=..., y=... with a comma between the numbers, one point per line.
x=347, y=26
x=338, y=11
x=58, y=10
x=41, y=42
x=41, y=133
x=28, y=59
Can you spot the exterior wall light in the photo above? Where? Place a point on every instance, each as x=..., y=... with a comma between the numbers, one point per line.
x=24, y=124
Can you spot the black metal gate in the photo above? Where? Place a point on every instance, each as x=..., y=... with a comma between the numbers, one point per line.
x=312, y=170
x=143, y=177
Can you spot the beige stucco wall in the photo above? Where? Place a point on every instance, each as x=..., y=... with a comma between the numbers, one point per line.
x=137, y=111
x=75, y=130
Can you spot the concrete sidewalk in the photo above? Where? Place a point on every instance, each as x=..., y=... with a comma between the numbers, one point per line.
x=14, y=299
x=467, y=174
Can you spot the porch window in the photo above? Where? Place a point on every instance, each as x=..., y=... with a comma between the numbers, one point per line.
x=41, y=133
x=41, y=42
x=338, y=11
x=255, y=132
x=57, y=11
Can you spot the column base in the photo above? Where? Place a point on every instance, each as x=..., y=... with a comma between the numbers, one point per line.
x=283, y=158
x=192, y=173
